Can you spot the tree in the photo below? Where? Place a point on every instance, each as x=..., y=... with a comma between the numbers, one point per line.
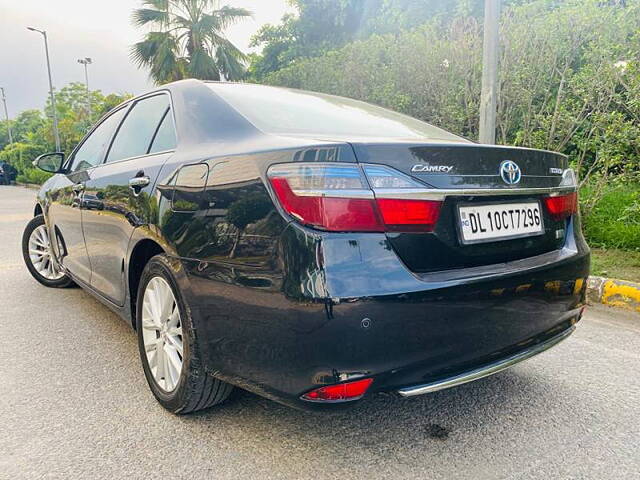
x=278, y=48
x=109, y=103
x=323, y=25
x=319, y=25
x=188, y=40
x=32, y=132
x=74, y=120
x=25, y=124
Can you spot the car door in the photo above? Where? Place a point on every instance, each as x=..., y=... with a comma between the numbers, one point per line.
x=65, y=197
x=117, y=196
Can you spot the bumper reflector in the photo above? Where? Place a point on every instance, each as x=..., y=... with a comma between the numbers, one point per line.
x=343, y=392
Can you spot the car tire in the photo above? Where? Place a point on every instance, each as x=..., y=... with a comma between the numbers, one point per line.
x=164, y=324
x=36, y=252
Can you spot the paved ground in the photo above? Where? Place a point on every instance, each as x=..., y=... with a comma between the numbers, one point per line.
x=74, y=404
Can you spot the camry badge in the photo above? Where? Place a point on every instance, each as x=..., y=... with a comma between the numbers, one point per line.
x=423, y=168
x=510, y=172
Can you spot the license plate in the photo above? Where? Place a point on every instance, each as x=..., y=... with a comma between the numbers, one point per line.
x=499, y=221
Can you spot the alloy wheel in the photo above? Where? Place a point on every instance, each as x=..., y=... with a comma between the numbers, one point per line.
x=41, y=255
x=162, y=333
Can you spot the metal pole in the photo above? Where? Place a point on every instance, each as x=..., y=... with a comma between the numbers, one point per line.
x=86, y=82
x=56, y=135
x=6, y=114
x=53, y=97
x=489, y=97
x=86, y=62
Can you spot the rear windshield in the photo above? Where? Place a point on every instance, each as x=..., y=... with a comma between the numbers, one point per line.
x=285, y=111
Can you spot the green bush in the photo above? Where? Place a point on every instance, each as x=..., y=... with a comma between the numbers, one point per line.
x=21, y=155
x=614, y=220
x=33, y=175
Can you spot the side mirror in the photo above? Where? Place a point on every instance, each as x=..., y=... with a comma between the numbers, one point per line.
x=50, y=162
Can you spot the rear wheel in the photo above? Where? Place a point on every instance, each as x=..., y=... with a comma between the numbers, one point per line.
x=38, y=255
x=168, y=350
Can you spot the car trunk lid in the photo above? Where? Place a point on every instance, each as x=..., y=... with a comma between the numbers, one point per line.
x=481, y=179
x=470, y=166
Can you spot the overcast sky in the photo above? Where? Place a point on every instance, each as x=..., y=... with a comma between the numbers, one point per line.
x=87, y=28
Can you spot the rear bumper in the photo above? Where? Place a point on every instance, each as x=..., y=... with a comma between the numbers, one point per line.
x=485, y=370
x=358, y=312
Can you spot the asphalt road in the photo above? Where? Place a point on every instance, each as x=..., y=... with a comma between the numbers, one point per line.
x=74, y=404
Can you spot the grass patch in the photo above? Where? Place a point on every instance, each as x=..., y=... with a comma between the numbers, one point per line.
x=614, y=222
x=612, y=263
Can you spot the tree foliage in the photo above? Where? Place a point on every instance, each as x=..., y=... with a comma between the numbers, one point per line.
x=322, y=25
x=188, y=40
x=33, y=129
x=570, y=77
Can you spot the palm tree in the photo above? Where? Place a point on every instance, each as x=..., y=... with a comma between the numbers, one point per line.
x=187, y=40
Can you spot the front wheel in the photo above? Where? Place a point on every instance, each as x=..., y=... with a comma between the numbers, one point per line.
x=168, y=349
x=38, y=255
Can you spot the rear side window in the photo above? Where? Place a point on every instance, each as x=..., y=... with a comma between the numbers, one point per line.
x=165, y=138
x=92, y=151
x=284, y=111
x=138, y=128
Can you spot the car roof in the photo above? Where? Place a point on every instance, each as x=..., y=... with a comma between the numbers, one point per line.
x=202, y=116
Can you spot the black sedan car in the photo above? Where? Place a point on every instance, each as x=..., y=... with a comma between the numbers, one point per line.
x=7, y=173
x=309, y=248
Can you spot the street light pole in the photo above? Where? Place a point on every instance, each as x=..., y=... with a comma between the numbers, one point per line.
x=489, y=96
x=6, y=114
x=86, y=62
x=56, y=135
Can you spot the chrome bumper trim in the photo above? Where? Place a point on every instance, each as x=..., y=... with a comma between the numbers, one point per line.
x=486, y=370
x=441, y=194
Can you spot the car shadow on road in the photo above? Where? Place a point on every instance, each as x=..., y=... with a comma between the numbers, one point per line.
x=383, y=421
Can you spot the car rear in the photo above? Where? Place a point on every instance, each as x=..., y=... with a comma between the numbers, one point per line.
x=419, y=261
x=440, y=262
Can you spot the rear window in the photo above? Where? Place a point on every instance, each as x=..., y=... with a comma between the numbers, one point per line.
x=285, y=111
x=138, y=128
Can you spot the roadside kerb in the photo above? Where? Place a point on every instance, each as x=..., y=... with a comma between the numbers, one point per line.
x=614, y=292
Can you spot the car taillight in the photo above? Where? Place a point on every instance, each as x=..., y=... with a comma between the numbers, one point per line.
x=409, y=215
x=325, y=211
x=342, y=392
x=340, y=197
x=562, y=206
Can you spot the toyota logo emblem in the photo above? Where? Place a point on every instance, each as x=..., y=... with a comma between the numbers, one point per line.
x=510, y=172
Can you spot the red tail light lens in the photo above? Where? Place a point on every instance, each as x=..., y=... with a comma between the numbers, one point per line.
x=562, y=206
x=339, y=393
x=336, y=197
x=328, y=213
x=409, y=215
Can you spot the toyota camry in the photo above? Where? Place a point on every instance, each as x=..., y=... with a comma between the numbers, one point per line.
x=309, y=248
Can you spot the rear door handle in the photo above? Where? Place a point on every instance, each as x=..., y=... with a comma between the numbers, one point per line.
x=139, y=182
